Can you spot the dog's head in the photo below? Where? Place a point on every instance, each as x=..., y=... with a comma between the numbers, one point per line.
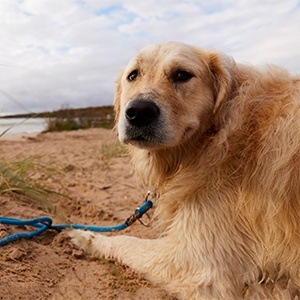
x=168, y=93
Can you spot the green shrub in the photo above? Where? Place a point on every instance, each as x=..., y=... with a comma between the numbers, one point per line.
x=62, y=124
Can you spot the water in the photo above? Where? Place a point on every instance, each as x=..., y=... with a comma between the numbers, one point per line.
x=21, y=126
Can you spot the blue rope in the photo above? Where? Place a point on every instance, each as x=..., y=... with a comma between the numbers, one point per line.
x=44, y=223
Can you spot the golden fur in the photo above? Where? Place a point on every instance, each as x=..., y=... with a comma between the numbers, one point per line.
x=225, y=166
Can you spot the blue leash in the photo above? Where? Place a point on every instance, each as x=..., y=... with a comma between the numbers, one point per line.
x=44, y=223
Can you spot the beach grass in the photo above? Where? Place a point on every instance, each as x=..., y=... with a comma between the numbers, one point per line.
x=112, y=150
x=16, y=181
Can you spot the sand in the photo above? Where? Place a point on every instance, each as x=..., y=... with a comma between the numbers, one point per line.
x=101, y=190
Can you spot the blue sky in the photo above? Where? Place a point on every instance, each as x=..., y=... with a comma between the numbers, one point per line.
x=58, y=53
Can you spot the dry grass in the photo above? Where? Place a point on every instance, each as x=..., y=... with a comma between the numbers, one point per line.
x=15, y=180
x=112, y=150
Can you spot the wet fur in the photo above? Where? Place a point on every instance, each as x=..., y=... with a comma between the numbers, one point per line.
x=228, y=195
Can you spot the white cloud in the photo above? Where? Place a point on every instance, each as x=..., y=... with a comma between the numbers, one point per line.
x=56, y=52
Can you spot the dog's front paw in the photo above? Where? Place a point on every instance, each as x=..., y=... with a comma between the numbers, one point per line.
x=82, y=239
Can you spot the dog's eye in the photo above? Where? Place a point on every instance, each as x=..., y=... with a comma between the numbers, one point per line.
x=181, y=76
x=133, y=75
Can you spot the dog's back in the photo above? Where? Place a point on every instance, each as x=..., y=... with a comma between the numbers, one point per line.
x=262, y=146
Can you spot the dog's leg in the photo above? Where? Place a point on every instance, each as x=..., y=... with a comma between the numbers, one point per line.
x=140, y=254
x=160, y=261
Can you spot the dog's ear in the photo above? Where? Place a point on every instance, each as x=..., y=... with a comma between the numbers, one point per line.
x=118, y=91
x=222, y=69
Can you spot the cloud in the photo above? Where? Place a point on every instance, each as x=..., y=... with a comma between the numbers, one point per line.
x=55, y=53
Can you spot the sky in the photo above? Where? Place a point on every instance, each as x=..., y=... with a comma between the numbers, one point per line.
x=66, y=53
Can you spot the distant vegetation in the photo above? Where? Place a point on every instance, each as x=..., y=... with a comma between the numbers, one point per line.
x=73, y=119
x=97, y=111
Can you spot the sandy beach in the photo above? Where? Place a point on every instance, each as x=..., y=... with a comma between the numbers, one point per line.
x=100, y=189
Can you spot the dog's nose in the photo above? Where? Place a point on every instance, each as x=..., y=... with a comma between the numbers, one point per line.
x=142, y=112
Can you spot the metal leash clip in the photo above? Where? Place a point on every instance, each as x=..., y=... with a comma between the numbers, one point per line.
x=140, y=211
x=146, y=213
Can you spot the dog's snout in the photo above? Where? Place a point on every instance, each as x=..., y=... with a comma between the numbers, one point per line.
x=142, y=112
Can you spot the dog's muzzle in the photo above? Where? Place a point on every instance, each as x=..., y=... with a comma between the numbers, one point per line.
x=142, y=124
x=141, y=113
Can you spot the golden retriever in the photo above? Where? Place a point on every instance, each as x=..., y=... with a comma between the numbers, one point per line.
x=219, y=144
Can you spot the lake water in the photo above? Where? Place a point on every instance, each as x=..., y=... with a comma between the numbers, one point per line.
x=21, y=126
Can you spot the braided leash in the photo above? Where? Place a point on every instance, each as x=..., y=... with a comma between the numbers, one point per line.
x=45, y=223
